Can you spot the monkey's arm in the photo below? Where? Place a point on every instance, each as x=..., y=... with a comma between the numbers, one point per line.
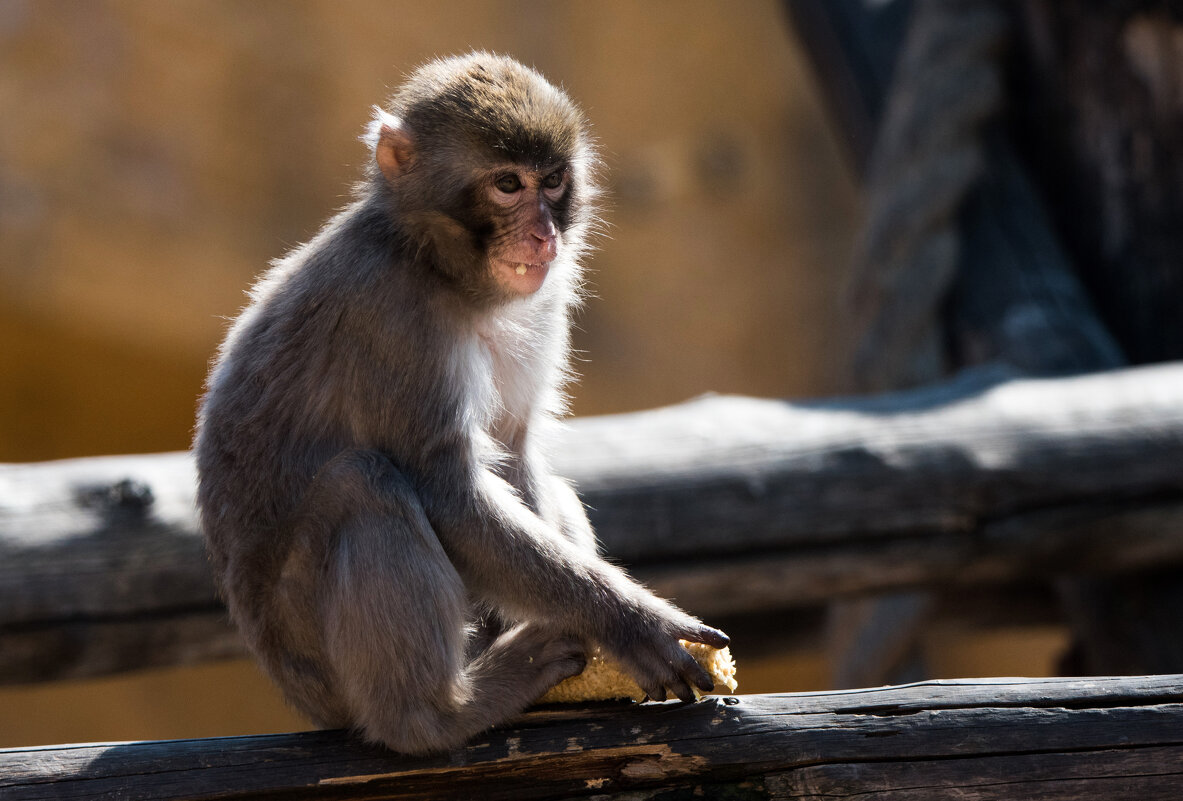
x=508, y=554
x=560, y=505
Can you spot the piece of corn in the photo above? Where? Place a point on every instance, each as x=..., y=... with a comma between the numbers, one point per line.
x=603, y=680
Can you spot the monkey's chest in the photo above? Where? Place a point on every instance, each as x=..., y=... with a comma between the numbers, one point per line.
x=509, y=381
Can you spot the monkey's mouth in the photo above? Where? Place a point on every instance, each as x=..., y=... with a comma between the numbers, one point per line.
x=523, y=278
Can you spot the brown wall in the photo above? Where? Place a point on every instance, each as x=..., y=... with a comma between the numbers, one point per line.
x=155, y=155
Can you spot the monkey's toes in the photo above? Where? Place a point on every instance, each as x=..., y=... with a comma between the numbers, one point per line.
x=565, y=648
x=570, y=667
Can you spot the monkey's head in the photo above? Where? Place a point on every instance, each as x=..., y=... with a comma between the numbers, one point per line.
x=486, y=165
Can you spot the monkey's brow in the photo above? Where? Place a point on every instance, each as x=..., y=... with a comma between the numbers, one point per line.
x=537, y=169
x=528, y=175
x=545, y=168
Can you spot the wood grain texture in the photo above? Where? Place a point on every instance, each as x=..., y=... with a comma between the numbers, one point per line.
x=1099, y=738
x=727, y=504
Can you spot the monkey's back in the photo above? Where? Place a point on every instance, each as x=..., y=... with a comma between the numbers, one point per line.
x=282, y=396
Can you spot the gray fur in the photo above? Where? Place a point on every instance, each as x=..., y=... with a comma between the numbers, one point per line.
x=372, y=477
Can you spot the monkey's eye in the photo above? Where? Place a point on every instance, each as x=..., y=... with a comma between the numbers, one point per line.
x=554, y=180
x=508, y=183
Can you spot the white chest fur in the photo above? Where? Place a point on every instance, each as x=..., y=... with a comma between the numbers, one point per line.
x=513, y=366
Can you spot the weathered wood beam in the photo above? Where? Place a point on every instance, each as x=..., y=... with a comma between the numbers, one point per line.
x=1099, y=738
x=728, y=504
x=728, y=475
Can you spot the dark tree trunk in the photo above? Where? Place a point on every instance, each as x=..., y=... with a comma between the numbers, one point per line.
x=1067, y=246
x=1097, y=92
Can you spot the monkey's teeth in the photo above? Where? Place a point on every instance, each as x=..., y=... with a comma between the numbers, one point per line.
x=520, y=269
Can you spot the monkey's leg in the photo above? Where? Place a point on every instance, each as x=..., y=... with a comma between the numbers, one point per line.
x=395, y=624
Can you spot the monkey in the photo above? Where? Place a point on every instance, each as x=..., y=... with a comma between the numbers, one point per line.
x=371, y=445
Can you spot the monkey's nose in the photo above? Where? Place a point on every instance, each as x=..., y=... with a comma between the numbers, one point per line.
x=546, y=245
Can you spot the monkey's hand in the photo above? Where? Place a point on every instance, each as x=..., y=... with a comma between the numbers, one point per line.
x=649, y=650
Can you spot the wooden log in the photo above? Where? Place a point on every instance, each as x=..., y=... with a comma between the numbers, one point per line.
x=1099, y=738
x=727, y=504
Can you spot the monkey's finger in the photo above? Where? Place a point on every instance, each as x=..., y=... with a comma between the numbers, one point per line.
x=694, y=673
x=703, y=681
x=705, y=634
x=683, y=691
x=655, y=692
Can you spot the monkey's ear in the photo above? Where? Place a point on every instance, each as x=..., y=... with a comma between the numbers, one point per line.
x=392, y=142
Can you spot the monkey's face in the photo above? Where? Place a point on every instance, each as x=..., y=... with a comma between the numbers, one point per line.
x=526, y=206
x=488, y=168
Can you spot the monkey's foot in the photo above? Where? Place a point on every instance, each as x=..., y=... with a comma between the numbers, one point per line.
x=605, y=680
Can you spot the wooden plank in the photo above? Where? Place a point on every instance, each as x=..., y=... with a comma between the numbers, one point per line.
x=728, y=504
x=1100, y=738
x=1146, y=773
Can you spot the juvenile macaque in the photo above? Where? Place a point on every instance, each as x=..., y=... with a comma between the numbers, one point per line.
x=380, y=515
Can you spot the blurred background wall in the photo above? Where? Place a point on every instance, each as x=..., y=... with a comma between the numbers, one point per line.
x=155, y=155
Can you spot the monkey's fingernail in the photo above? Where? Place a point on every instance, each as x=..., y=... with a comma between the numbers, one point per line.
x=520, y=269
x=716, y=638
